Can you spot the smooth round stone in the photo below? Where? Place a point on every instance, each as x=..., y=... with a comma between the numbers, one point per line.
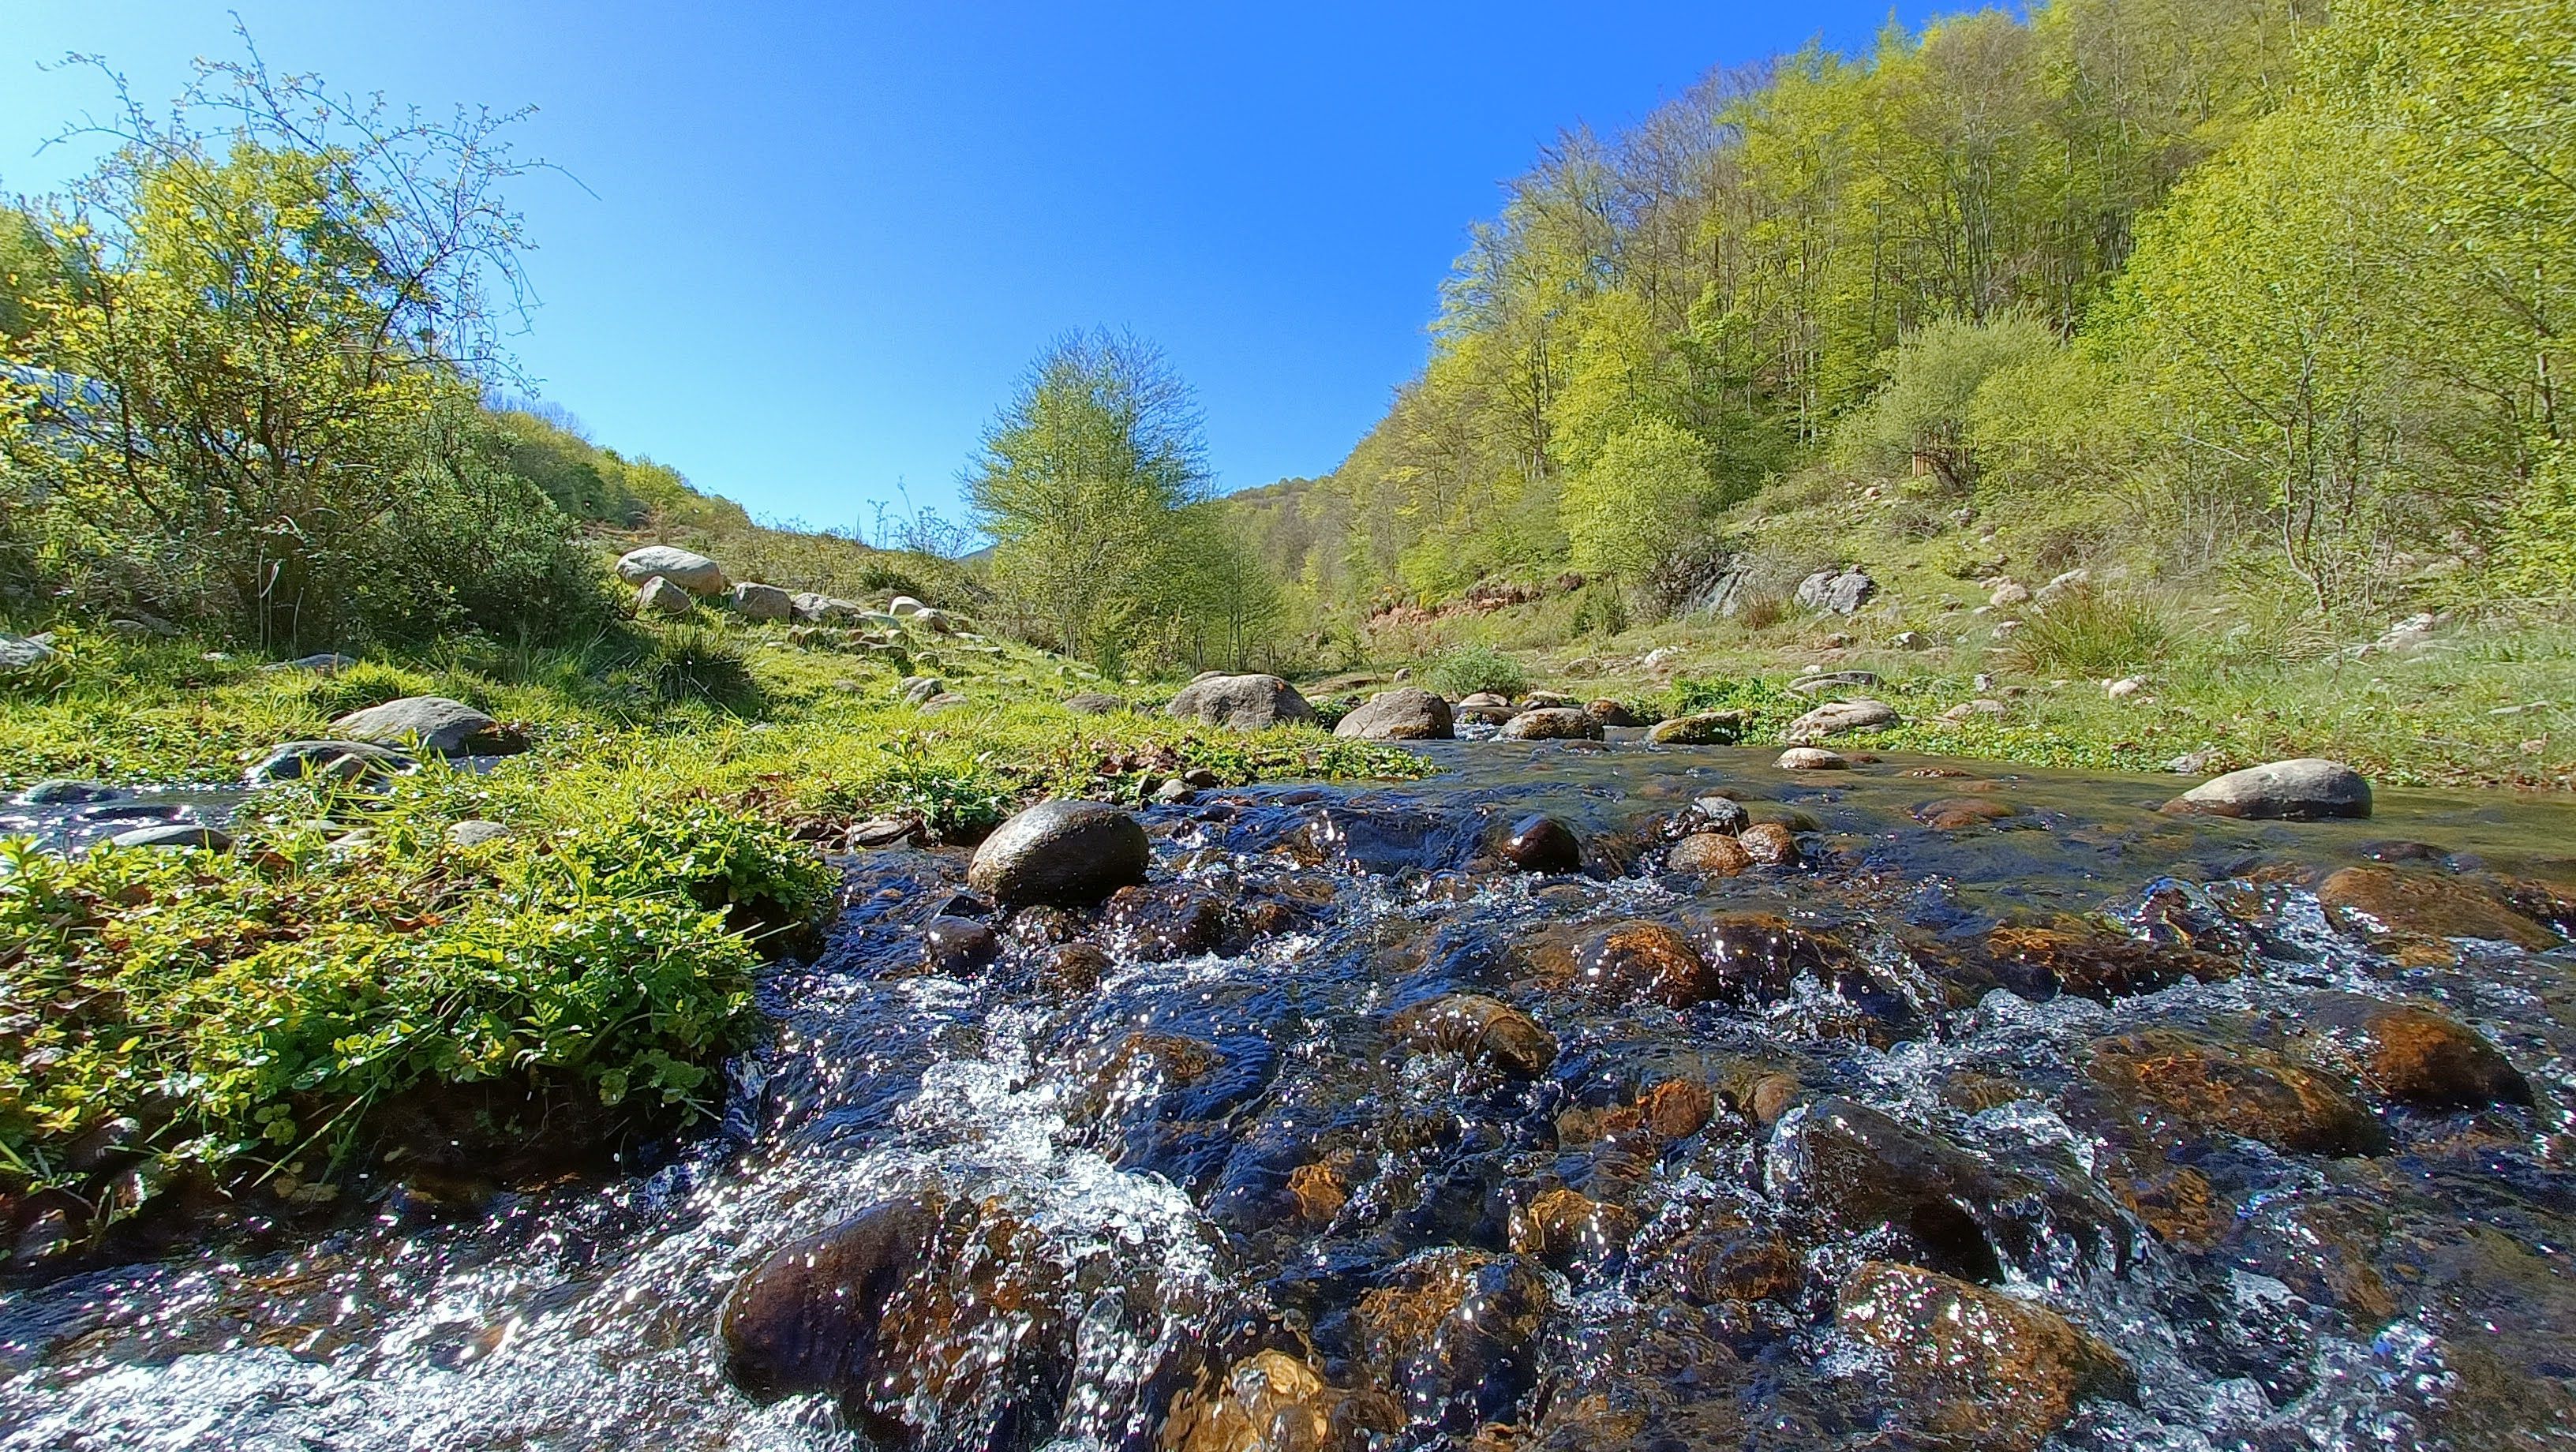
x=1069, y=853
x=66, y=792
x=176, y=834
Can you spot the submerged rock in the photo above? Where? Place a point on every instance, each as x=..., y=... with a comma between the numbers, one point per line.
x=957, y=947
x=1711, y=854
x=1273, y=1402
x=1958, y=814
x=1970, y=1367
x=1068, y=853
x=1407, y=713
x=2302, y=790
x=2215, y=1089
x=1241, y=703
x=1566, y=1231
x=2436, y=904
x=435, y=723
x=1473, y=1026
x=2414, y=1055
x=1628, y=962
x=1452, y=1333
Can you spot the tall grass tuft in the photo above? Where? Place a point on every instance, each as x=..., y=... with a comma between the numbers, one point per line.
x=2089, y=633
x=693, y=663
x=1473, y=668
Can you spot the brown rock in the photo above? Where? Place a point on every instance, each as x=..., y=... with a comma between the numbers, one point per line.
x=1273, y=1402
x=1451, y=1334
x=1564, y=1229
x=1956, y=814
x=1552, y=723
x=2416, y=1056
x=1637, y=960
x=1770, y=843
x=1737, y=1263
x=1319, y=1191
x=1677, y=1108
x=1611, y=713
x=1542, y=844
x=1972, y=1367
x=2250, y=1092
x=1476, y=1027
x=957, y=947
x=1073, y=968
x=2100, y=966
x=1710, y=854
x=2431, y=903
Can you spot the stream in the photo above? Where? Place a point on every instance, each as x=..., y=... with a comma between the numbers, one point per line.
x=2014, y=1114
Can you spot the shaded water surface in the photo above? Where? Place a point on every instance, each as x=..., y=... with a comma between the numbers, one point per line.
x=2059, y=1118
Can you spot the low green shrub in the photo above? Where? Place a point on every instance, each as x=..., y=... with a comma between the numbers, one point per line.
x=695, y=663
x=1473, y=668
x=1766, y=706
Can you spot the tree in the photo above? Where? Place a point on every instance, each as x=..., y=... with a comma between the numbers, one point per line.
x=1082, y=482
x=1645, y=494
x=1923, y=419
x=283, y=298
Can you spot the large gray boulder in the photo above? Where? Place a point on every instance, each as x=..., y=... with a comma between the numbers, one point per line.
x=661, y=597
x=1553, y=723
x=2301, y=790
x=1836, y=717
x=763, y=602
x=692, y=572
x=1407, y=713
x=1839, y=592
x=1067, y=853
x=450, y=728
x=348, y=761
x=1096, y=703
x=818, y=609
x=1241, y=703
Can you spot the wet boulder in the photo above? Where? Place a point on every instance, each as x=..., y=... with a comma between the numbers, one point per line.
x=1489, y=707
x=2206, y=1088
x=1973, y=1368
x=435, y=723
x=1542, y=844
x=1835, y=718
x=1407, y=713
x=1710, y=854
x=1863, y=1170
x=1452, y=1333
x=2414, y=1055
x=1811, y=758
x=1611, y=713
x=690, y=571
x=1484, y=1030
x=2302, y=790
x=1702, y=728
x=1567, y=1231
x=1720, y=814
x=1241, y=703
x=1064, y=852
x=2035, y=961
x=1156, y=925
x=1771, y=844
x=958, y=947
x=2432, y=903
x=1274, y=1402
x=1731, y=1262
x=807, y=1318
x=1630, y=962
x=1553, y=723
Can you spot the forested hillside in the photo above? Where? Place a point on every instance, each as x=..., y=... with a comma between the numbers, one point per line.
x=2239, y=292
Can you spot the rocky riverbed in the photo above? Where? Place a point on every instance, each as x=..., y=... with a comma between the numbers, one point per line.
x=1580, y=1097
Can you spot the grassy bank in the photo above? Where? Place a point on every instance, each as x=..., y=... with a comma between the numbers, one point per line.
x=269, y=1025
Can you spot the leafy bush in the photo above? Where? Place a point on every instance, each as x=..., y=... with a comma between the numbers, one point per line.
x=1473, y=668
x=243, y=1015
x=2089, y=633
x=1765, y=706
x=955, y=799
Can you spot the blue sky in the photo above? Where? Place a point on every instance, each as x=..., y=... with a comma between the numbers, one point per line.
x=815, y=244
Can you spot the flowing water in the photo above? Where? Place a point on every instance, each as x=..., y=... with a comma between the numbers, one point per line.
x=1115, y=1181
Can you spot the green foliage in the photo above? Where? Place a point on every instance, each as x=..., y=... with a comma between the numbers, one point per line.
x=1925, y=417
x=2090, y=634
x=1644, y=494
x=248, y=1011
x=695, y=663
x=952, y=798
x=1766, y=706
x=1473, y=668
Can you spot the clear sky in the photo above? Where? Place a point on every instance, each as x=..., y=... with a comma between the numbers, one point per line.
x=816, y=243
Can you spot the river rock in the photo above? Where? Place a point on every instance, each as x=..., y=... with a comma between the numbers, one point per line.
x=661, y=597
x=1611, y=713
x=1865, y=1171
x=1567, y=1231
x=1407, y=713
x=2417, y=1056
x=692, y=572
x=1722, y=814
x=957, y=947
x=1974, y=1368
x=1552, y=723
x=1958, y=814
x=1837, y=592
x=1837, y=717
x=1811, y=758
x=348, y=761
x=1540, y=843
x=450, y=728
x=2009, y=594
x=1704, y=728
x=2208, y=1088
x=1273, y=1402
x=1241, y=703
x=2301, y=790
x=1772, y=844
x=1710, y=854
x=61, y=791
x=1474, y=1026
x=1633, y=961
x=1452, y=1332
x=2432, y=903
x=754, y=601
x=176, y=834
x=1070, y=853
